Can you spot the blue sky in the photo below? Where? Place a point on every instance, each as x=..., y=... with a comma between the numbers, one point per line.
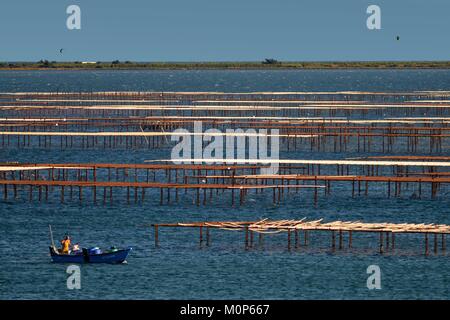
x=227, y=30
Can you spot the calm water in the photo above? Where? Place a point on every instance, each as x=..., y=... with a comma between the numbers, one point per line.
x=180, y=268
x=225, y=81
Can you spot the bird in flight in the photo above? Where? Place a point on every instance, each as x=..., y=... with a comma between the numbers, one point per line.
x=61, y=50
x=398, y=38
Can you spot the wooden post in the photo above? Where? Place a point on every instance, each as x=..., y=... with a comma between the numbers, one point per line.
x=156, y=235
x=381, y=241
x=246, y=237
x=389, y=189
x=349, y=239
x=387, y=241
x=168, y=194
x=393, y=241
x=353, y=188
x=340, y=239
x=289, y=239
x=31, y=192
x=201, y=234
x=435, y=243
x=333, y=240
x=135, y=194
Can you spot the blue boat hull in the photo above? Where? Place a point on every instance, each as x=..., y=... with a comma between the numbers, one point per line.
x=118, y=256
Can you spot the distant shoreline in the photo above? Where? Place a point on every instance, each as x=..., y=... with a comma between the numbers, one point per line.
x=266, y=65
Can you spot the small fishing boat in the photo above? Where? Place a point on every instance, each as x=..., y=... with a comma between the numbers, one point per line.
x=91, y=255
x=88, y=255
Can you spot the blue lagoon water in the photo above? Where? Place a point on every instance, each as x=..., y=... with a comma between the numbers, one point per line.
x=180, y=268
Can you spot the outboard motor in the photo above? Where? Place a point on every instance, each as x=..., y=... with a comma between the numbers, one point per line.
x=85, y=254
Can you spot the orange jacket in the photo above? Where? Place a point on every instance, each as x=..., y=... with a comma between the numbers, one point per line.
x=65, y=245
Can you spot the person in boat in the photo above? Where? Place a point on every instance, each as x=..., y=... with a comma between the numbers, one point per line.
x=65, y=243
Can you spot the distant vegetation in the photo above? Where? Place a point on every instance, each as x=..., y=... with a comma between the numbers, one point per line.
x=266, y=64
